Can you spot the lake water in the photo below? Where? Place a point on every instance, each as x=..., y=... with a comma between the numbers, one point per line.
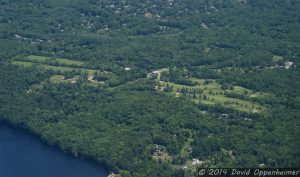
x=23, y=155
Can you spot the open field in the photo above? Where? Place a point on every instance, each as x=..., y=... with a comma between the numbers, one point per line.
x=211, y=93
x=55, y=68
x=277, y=58
x=68, y=66
x=42, y=59
x=57, y=78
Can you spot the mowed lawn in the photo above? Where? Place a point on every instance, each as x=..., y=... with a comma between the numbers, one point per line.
x=215, y=95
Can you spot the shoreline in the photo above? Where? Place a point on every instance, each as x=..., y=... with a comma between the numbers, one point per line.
x=35, y=135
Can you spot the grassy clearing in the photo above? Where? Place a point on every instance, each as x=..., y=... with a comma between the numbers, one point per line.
x=57, y=78
x=60, y=78
x=42, y=59
x=68, y=69
x=186, y=149
x=23, y=63
x=247, y=92
x=241, y=90
x=277, y=58
x=37, y=58
x=55, y=68
x=164, y=156
x=211, y=93
x=163, y=70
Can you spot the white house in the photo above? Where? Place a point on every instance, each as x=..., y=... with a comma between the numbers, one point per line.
x=195, y=161
x=288, y=64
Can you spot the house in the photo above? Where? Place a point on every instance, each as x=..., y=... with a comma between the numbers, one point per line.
x=184, y=167
x=262, y=165
x=195, y=162
x=204, y=26
x=159, y=150
x=163, y=89
x=127, y=69
x=288, y=64
x=156, y=74
x=223, y=116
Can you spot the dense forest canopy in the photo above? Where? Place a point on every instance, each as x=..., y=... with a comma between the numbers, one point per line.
x=155, y=88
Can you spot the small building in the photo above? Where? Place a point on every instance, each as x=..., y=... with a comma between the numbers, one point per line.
x=159, y=147
x=204, y=26
x=163, y=89
x=159, y=150
x=184, y=167
x=223, y=116
x=288, y=64
x=262, y=165
x=127, y=69
x=148, y=15
x=155, y=74
x=195, y=162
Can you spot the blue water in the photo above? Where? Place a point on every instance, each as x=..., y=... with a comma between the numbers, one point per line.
x=23, y=155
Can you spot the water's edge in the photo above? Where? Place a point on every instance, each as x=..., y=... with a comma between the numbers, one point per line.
x=35, y=135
